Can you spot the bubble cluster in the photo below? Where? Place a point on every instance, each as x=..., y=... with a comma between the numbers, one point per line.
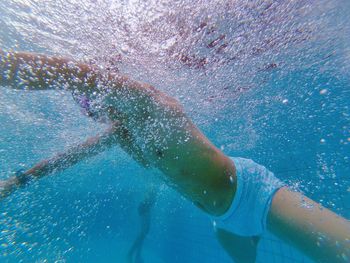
x=268, y=80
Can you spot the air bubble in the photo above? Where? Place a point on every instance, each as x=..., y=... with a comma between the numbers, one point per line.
x=305, y=204
x=345, y=257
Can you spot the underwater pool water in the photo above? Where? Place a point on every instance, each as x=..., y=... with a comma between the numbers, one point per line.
x=266, y=80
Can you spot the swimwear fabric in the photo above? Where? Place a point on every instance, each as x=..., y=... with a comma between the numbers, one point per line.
x=256, y=186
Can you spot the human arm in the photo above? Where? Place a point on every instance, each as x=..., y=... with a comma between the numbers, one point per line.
x=115, y=135
x=24, y=70
x=32, y=71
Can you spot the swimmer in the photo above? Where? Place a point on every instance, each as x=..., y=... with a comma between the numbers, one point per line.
x=144, y=210
x=242, y=198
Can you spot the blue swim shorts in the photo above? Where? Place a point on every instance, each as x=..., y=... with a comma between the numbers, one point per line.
x=256, y=186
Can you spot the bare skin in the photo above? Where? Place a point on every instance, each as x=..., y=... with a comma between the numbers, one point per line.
x=152, y=116
x=313, y=229
x=155, y=130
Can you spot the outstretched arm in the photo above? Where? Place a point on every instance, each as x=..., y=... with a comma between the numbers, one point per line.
x=23, y=70
x=31, y=71
x=115, y=135
x=61, y=161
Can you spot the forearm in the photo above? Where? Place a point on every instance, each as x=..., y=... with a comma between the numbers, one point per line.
x=59, y=162
x=318, y=232
x=62, y=161
x=22, y=70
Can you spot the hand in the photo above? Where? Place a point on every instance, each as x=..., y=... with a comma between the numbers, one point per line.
x=11, y=184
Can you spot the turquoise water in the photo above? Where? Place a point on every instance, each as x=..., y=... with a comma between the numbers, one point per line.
x=292, y=117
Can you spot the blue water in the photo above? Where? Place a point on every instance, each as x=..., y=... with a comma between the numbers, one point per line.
x=295, y=122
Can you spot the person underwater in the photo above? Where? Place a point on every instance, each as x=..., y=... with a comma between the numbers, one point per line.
x=242, y=198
